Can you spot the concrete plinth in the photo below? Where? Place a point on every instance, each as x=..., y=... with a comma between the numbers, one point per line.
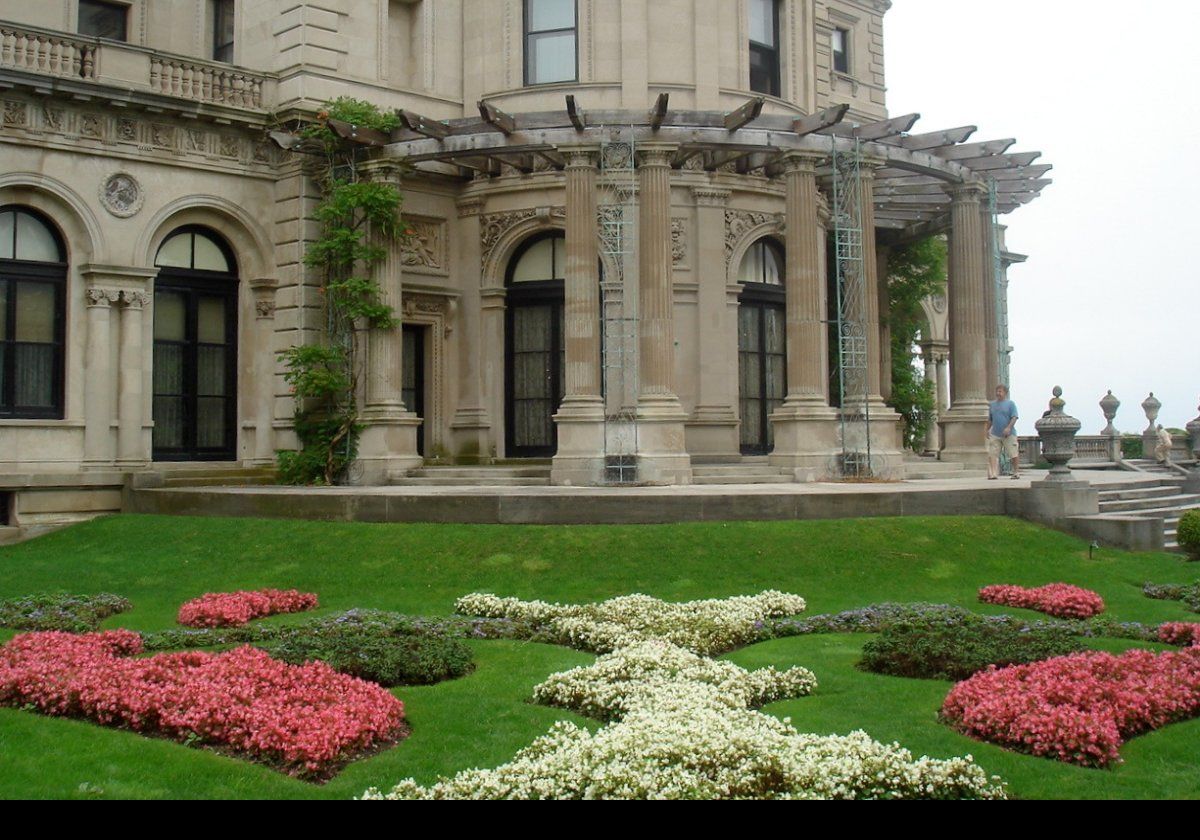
x=579, y=461
x=662, y=457
x=388, y=445
x=470, y=433
x=1051, y=502
x=807, y=440
x=963, y=438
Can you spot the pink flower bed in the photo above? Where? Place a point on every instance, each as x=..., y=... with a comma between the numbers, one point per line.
x=305, y=719
x=231, y=609
x=1179, y=633
x=1077, y=708
x=1057, y=599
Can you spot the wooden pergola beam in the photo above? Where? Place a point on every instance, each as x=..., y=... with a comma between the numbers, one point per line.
x=358, y=133
x=746, y=114
x=575, y=114
x=424, y=125
x=821, y=120
x=1025, y=173
x=684, y=154
x=659, y=112
x=974, y=150
x=1034, y=185
x=936, y=139
x=877, y=130
x=983, y=164
x=499, y=120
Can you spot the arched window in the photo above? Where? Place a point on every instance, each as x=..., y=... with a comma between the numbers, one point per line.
x=195, y=348
x=762, y=347
x=534, y=350
x=33, y=280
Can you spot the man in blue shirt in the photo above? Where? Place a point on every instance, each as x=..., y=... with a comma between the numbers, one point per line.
x=1001, y=434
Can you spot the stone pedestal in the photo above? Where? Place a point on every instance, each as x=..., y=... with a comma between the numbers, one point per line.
x=1050, y=502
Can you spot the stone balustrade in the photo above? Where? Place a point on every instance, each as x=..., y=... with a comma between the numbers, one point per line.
x=46, y=53
x=131, y=67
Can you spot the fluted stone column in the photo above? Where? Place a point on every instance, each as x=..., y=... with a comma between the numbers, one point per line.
x=471, y=425
x=887, y=460
x=131, y=357
x=263, y=366
x=991, y=326
x=579, y=459
x=805, y=426
x=931, y=376
x=99, y=384
x=388, y=445
x=963, y=430
x=662, y=451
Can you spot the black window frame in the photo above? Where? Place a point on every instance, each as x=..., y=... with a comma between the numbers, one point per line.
x=761, y=296
x=14, y=272
x=769, y=57
x=222, y=51
x=840, y=59
x=194, y=283
x=531, y=35
x=123, y=8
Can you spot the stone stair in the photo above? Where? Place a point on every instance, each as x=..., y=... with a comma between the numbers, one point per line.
x=530, y=474
x=1162, y=498
x=750, y=470
x=917, y=468
x=193, y=475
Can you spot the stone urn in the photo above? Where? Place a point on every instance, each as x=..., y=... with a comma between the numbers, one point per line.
x=1193, y=430
x=1057, y=433
x=1109, y=405
x=1150, y=405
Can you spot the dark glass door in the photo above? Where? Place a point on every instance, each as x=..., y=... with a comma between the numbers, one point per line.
x=535, y=377
x=412, y=386
x=195, y=370
x=762, y=356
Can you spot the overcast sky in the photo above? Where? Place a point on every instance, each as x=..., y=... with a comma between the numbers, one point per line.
x=1110, y=94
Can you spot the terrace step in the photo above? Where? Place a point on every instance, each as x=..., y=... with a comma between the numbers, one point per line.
x=532, y=475
x=756, y=469
x=1174, y=502
x=210, y=476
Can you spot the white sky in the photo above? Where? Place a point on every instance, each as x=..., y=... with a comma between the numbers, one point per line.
x=1110, y=94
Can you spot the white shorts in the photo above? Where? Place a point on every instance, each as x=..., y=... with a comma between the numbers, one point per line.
x=1008, y=444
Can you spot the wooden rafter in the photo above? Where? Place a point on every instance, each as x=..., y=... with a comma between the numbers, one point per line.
x=1016, y=161
x=746, y=114
x=876, y=130
x=974, y=150
x=575, y=114
x=497, y=119
x=659, y=112
x=358, y=133
x=424, y=125
x=935, y=139
x=821, y=120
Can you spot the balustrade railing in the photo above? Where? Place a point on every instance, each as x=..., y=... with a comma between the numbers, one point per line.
x=52, y=55
x=206, y=82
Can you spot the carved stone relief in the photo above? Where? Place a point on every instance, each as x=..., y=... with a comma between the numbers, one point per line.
x=425, y=246
x=121, y=195
x=679, y=241
x=739, y=222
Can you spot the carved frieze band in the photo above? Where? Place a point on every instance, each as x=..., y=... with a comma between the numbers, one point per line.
x=740, y=222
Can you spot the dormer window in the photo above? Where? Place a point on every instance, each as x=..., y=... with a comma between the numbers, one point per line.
x=764, y=47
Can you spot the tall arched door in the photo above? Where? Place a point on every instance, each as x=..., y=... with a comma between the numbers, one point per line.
x=533, y=351
x=762, y=348
x=195, y=348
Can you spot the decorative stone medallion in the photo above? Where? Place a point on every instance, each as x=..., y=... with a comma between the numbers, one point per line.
x=121, y=195
x=939, y=303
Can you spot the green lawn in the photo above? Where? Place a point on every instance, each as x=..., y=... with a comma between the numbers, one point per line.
x=158, y=562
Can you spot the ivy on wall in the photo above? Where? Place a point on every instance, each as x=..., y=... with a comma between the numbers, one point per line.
x=359, y=219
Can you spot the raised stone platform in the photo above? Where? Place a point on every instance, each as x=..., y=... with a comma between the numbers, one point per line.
x=649, y=505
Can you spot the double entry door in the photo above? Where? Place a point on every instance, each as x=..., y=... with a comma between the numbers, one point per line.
x=762, y=381
x=195, y=370
x=534, y=370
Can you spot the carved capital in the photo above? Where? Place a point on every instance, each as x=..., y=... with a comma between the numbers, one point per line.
x=134, y=299
x=581, y=157
x=657, y=156
x=471, y=207
x=804, y=163
x=968, y=192
x=102, y=298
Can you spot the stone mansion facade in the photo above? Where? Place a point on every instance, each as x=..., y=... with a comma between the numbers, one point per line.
x=625, y=222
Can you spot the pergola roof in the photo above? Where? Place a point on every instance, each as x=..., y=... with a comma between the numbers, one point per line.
x=910, y=187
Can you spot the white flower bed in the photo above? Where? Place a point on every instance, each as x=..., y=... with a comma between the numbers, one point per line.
x=684, y=725
x=703, y=627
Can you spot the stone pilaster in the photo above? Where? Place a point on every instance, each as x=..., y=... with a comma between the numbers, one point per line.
x=713, y=427
x=662, y=451
x=388, y=444
x=99, y=382
x=963, y=429
x=471, y=425
x=579, y=459
x=263, y=368
x=991, y=325
x=935, y=374
x=806, y=428
x=131, y=419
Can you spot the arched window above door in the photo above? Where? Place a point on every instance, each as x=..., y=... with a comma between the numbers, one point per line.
x=762, y=264
x=33, y=279
x=540, y=259
x=195, y=249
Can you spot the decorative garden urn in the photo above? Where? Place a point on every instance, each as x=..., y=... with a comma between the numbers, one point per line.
x=1109, y=406
x=1151, y=407
x=1057, y=432
x=1193, y=430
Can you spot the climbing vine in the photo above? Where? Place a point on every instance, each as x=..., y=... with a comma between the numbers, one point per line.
x=359, y=218
x=915, y=271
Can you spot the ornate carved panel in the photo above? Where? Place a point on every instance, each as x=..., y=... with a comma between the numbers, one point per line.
x=425, y=247
x=740, y=222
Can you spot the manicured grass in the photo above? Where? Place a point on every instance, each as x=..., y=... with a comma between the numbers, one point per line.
x=159, y=562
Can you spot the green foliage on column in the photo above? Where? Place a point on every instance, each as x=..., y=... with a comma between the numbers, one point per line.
x=915, y=271
x=359, y=218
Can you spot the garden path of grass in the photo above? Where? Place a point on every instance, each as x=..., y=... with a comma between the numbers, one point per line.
x=481, y=720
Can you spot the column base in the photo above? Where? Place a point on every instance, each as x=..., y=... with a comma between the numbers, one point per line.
x=807, y=441
x=471, y=433
x=963, y=437
x=387, y=447
x=662, y=457
x=579, y=461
